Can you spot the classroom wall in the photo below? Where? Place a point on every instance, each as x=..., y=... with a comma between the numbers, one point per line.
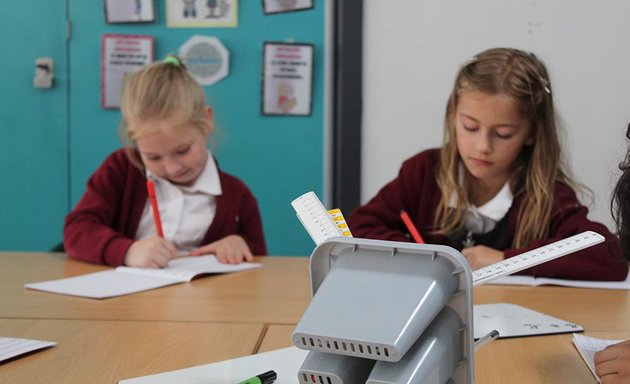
x=413, y=49
x=278, y=157
x=33, y=127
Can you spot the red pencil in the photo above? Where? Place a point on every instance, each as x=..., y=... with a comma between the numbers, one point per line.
x=411, y=228
x=154, y=208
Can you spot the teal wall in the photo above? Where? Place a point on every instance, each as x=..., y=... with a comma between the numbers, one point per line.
x=279, y=158
x=33, y=127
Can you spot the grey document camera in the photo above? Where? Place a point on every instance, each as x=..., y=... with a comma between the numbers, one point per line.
x=387, y=312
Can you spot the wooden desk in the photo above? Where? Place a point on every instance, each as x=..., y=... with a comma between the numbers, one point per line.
x=278, y=293
x=264, y=305
x=276, y=337
x=107, y=351
x=594, y=309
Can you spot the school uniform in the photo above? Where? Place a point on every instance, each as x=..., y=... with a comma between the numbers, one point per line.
x=415, y=190
x=114, y=212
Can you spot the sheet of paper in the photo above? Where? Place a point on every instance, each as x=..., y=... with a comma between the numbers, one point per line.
x=11, y=347
x=286, y=362
x=512, y=320
x=587, y=346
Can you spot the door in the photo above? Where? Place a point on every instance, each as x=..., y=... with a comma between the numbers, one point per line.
x=33, y=126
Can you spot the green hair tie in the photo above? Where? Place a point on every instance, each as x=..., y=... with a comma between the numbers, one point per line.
x=172, y=60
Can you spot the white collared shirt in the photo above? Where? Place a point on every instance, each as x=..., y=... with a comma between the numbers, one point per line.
x=483, y=219
x=186, y=212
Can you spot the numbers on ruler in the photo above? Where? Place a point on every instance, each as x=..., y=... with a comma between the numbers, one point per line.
x=319, y=223
x=537, y=256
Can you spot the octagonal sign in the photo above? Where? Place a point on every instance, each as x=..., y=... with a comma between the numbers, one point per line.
x=206, y=58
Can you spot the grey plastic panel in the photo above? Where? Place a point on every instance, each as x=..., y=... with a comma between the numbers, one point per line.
x=432, y=359
x=380, y=300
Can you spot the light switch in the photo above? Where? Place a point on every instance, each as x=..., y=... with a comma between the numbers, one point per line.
x=44, y=70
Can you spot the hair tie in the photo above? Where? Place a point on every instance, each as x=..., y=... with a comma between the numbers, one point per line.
x=172, y=59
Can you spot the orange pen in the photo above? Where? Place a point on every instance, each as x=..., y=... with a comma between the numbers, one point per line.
x=154, y=207
x=411, y=228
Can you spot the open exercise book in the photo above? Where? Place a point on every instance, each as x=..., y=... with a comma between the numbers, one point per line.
x=126, y=280
x=587, y=346
x=535, y=281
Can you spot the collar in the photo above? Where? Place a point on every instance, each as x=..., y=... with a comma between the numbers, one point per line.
x=498, y=206
x=494, y=209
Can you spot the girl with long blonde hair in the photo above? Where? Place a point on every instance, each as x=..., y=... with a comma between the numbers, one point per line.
x=497, y=187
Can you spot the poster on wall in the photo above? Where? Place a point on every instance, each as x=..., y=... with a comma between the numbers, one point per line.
x=121, y=56
x=282, y=6
x=127, y=11
x=206, y=59
x=287, y=84
x=201, y=13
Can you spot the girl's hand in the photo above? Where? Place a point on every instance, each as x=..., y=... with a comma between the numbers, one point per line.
x=612, y=364
x=231, y=249
x=481, y=256
x=153, y=252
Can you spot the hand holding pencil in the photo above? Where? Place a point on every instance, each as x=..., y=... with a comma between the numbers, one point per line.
x=153, y=252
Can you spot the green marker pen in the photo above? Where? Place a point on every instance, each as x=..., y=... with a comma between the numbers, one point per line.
x=264, y=378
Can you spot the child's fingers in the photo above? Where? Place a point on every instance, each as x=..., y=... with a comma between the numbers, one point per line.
x=183, y=253
x=606, y=368
x=206, y=249
x=222, y=257
x=604, y=355
x=248, y=255
x=170, y=248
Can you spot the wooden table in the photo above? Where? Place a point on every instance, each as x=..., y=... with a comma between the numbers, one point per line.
x=95, y=351
x=278, y=293
x=220, y=317
x=594, y=309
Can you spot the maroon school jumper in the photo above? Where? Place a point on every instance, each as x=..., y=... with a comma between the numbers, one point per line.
x=103, y=225
x=415, y=190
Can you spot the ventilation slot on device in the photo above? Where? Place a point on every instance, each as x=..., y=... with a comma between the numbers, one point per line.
x=313, y=378
x=359, y=349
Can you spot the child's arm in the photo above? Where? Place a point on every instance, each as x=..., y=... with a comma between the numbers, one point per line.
x=413, y=190
x=237, y=226
x=100, y=228
x=249, y=225
x=602, y=262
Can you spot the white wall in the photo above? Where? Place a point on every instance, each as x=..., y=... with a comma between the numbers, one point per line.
x=412, y=50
